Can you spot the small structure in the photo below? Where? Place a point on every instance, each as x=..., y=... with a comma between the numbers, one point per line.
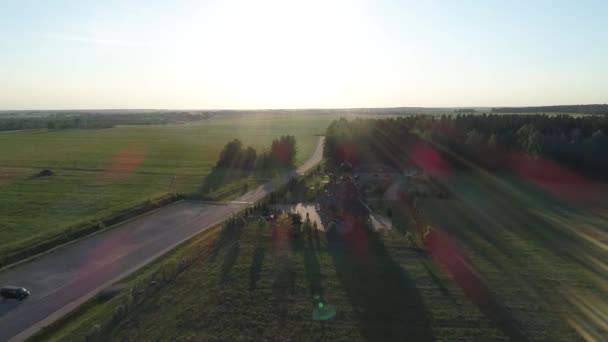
x=45, y=173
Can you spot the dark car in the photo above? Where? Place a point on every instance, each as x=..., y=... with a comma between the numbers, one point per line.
x=14, y=292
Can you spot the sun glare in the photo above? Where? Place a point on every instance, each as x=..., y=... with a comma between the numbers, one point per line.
x=286, y=53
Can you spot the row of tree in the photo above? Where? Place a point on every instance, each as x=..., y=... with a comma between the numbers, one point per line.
x=363, y=140
x=490, y=140
x=93, y=121
x=579, y=109
x=577, y=142
x=282, y=154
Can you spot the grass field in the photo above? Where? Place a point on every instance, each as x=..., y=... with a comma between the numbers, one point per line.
x=543, y=257
x=548, y=278
x=249, y=289
x=100, y=172
x=249, y=283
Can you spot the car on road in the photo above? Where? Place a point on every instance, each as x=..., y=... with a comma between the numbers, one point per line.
x=14, y=292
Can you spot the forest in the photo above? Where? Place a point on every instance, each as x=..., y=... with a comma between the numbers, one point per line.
x=492, y=141
x=573, y=109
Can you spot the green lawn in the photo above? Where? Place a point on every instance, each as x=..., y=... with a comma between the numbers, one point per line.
x=100, y=172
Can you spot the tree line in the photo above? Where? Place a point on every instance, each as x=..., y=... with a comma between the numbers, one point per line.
x=579, y=109
x=235, y=155
x=92, y=120
x=489, y=140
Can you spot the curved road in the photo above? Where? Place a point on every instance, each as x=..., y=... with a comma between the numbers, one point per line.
x=66, y=277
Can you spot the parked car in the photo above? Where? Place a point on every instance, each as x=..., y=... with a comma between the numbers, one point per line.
x=14, y=292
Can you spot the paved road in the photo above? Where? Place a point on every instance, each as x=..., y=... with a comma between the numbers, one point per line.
x=66, y=277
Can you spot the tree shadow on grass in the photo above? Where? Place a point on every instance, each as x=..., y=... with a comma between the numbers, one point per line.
x=315, y=234
x=518, y=211
x=229, y=235
x=445, y=253
x=259, y=254
x=389, y=305
x=221, y=177
x=283, y=285
x=503, y=228
x=312, y=270
x=256, y=266
x=230, y=258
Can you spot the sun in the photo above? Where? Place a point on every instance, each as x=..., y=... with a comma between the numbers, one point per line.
x=287, y=53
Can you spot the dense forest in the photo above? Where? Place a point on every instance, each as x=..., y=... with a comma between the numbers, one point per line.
x=93, y=120
x=578, y=109
x=492, y=141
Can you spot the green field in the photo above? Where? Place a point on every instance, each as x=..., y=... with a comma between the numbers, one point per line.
x=546, y=277
x=243, y=286
x=544, y=258
x=101, y=172
x=249, y=282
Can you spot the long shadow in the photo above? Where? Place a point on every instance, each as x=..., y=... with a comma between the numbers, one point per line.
x=230, y=258
x=312, y=268
x=284, y=277
x=222, y=176
x=259, y=254
x=529, y=226
x=283, y=285
x=315, y=234
x=444, y=252
x=230, y=234
x=389, y=305
x=256, y=266
x=219, y=177
x=498, y=212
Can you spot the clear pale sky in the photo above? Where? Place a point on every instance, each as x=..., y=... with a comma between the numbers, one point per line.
x=292, y=54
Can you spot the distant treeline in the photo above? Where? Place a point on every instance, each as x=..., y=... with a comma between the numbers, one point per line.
x=489, y=140
x=465, y=111
x=579, y=109
x=94, y=121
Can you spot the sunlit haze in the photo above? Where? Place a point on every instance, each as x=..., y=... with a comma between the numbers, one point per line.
x=301, y=54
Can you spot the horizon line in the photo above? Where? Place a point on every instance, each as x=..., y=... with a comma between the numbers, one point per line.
x=292, y=109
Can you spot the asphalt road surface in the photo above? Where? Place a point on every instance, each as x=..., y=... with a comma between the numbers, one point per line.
x=66, y=277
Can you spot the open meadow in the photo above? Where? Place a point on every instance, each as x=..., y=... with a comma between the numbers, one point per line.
x=99, y=172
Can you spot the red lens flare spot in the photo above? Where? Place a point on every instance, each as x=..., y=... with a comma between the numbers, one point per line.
x=102, y=257
x=354, y=234
x=446, y=253
x=552, y=177
x=125, y=161
x=348, y=152
x=426, y=158
x=280, y=153
x=281, y=232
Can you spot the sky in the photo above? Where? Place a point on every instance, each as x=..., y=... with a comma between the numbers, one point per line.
x=81, y=54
